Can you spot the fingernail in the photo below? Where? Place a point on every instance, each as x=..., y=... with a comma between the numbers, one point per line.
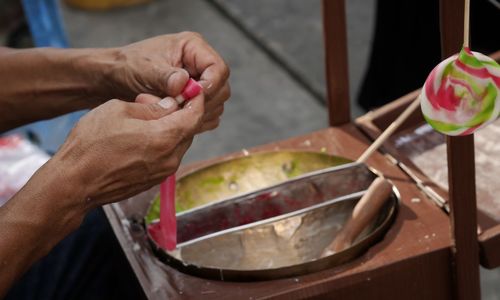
x=206, y=84
x=167, y=103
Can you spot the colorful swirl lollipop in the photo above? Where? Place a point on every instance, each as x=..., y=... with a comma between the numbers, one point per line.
x=461, y=94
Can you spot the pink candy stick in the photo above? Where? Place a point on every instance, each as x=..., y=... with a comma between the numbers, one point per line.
x=168, y=222
x=191, y=90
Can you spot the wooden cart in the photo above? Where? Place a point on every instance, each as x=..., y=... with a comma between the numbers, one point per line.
x=419, y=258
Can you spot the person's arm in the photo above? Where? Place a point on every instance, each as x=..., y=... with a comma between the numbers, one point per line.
x=43, y=83
x=116, y=151
x=36, y=219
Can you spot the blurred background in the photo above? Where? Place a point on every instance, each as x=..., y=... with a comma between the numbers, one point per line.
x=273, y=47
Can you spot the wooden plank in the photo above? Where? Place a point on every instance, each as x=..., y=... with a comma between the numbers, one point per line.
x=337, y=74
x=463, y=216
x=461, y=173
x=489, y=243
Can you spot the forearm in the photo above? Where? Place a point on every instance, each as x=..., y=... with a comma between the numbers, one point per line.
x=36, y=219
x=43, y=83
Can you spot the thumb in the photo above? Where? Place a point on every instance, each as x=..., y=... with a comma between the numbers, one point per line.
x=175, y=81
x=189, y=119
x=149, y=107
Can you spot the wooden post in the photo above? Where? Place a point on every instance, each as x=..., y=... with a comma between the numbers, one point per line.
x=337, y=75
x=461, y=174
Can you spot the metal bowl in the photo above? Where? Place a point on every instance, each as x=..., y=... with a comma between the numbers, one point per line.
x=307, y=212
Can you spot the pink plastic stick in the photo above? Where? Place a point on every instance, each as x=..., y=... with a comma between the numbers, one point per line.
x=168, y=221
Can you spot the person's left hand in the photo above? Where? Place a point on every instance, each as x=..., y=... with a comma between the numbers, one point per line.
x=162, y=65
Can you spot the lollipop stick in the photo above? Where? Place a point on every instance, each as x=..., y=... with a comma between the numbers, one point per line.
x=389, y=131
x=466, y=23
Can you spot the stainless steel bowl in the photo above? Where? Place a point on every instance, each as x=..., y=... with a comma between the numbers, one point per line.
x=272, y=232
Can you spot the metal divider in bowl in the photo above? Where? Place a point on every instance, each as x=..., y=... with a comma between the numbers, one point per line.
x=279, y=231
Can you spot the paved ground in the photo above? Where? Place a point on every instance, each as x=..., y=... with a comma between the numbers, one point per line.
x=267, y=103
x=292, y=30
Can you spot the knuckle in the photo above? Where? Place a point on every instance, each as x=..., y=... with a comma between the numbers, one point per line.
x=154, y=110
x=211, y=125
x=116, y=106
x=227, y=92
x=226, y=72
x=191, y=35
x=113, y=102
x=220, y=111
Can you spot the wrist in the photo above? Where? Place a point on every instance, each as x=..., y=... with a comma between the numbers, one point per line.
x=102, y=68
x=71, y=83
x=92, y=67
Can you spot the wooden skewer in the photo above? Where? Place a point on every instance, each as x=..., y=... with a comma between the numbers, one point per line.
x=389, y=131
x=466, y=23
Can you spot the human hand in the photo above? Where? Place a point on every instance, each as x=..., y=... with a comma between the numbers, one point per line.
x=162, y=65
x=120, y=149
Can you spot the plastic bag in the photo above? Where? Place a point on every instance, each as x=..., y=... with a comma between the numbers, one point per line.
x=19, y=159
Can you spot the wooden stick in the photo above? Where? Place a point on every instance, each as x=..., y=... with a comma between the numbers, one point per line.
x=466, y=23
x=389, y=131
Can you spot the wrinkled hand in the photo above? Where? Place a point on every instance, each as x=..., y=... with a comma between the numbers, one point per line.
x=120, y=149
x=162, y=65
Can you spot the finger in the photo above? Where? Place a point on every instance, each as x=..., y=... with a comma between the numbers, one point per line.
x=165, y=81
x=181, y=150
x=173, y=159
x=203, y=62
x=176, y=82
x=210, y=125
x=188, y=120
x=147, y=99
x=152, y=111
x=214, y=114
x=219, y=98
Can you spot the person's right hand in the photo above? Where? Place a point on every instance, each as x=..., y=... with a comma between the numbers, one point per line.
x=120, y=149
